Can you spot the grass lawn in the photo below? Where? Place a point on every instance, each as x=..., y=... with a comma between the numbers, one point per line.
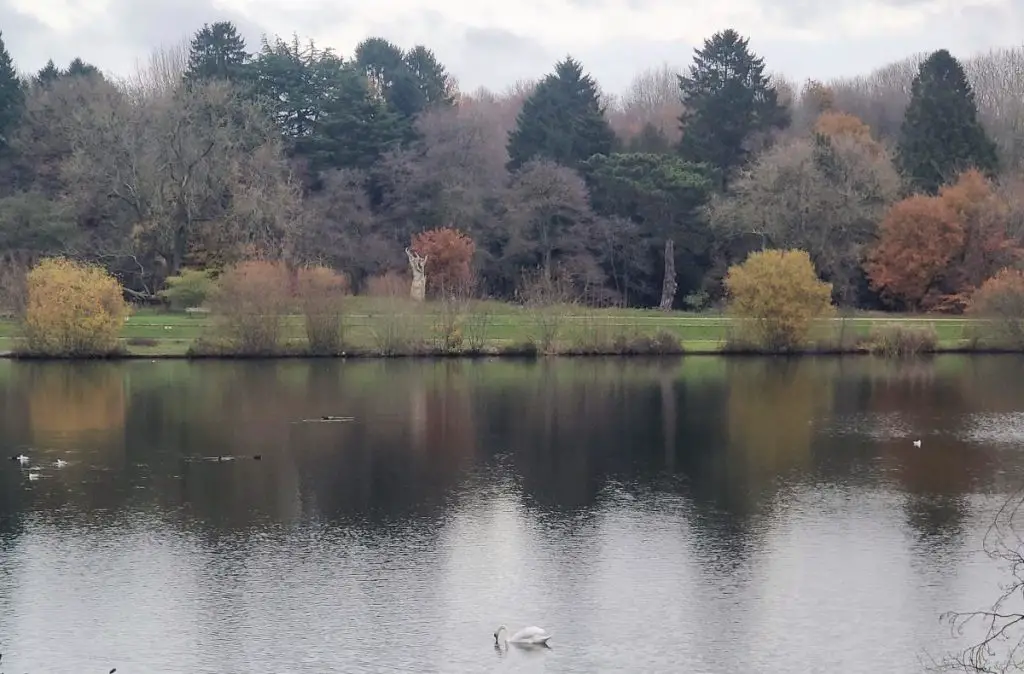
x=150, y=332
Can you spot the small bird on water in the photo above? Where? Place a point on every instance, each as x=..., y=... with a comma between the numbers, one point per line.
x=20, y=458
x=917, y=443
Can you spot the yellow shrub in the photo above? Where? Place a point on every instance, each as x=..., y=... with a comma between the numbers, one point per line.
x=73, y=309
x=778, y=295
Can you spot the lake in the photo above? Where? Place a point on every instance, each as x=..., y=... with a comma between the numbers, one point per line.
x=700, y=514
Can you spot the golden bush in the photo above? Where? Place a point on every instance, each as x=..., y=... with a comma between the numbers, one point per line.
x=73, y=309
x=777, y=295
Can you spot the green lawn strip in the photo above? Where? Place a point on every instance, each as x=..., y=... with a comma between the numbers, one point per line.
x=150, y=332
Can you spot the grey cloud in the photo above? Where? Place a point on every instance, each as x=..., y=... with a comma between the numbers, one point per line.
x=495, y=57
x=26, y=38
x=127, y=30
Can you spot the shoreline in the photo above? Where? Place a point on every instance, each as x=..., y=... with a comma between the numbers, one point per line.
x=519, y=355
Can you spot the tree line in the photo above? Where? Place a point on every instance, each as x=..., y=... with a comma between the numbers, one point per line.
x=902, y=186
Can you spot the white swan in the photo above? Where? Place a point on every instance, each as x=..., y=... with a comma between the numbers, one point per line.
x=531, y=636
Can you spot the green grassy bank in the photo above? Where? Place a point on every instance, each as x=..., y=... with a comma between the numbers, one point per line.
x=497, y=327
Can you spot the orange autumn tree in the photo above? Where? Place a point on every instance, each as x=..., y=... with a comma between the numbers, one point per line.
x=449, y=255
x=988, y=246
x=1000, y=300
x=917, y=238
x=843, y=125
x=933, y=252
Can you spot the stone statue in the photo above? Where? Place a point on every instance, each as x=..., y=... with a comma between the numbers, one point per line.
x=419, y=278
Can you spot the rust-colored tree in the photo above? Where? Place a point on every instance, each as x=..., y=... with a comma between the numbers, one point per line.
x=917, y=239
x=844, y=125
x=250, y=301
x=321, y=294
x=1000, y=300
x=449, y=254
x=988, y=246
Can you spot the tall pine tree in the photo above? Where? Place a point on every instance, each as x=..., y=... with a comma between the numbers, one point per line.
x=47, y=75
x=323, y=106
x=562, y=120
x=217, y=52
x=408, y=82
x=941, y=135
x=727, y=99
x=12, y=96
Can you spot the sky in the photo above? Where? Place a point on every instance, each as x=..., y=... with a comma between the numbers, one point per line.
x=494, y=44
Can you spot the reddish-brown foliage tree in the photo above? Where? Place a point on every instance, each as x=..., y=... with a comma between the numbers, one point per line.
x=1000, y=299
x=449, y=253
x=917, y=239
x=834, y=124
x=987, y=247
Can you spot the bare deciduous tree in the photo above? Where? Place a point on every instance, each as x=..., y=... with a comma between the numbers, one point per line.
x=547, y=212
x=160, y=74
x=999, y=645
x=162, y=173
x=339, y=230
x=652, y=98
x=822, y=198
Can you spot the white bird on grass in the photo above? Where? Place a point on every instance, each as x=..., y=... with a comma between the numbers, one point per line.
x=528, y=636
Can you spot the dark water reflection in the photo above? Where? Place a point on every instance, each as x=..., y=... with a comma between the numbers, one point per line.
x=703, y=514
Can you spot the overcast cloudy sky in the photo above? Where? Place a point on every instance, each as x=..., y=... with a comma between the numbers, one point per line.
x=494, y=43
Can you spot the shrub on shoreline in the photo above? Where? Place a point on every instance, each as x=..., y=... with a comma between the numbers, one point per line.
x=321, y=292
x=1000, y=303
x=775, y=295
x=250, y=300
x=901, y=341
x=72, y=310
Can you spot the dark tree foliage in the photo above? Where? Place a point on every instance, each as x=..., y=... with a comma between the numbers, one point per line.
x=650, y=140
x=217, y=52
x=941, y=135
x=12, y=96
x=728, y=100
x=50, y=73
x=409, y=83
x=324, y=106
x=79, y=68
x=662, y=195
x=563, y=121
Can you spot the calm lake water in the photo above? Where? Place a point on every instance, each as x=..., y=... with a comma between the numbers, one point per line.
x=686, y=515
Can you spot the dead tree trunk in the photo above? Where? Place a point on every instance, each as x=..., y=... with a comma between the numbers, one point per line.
x=668, y=286
x=417, y=264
